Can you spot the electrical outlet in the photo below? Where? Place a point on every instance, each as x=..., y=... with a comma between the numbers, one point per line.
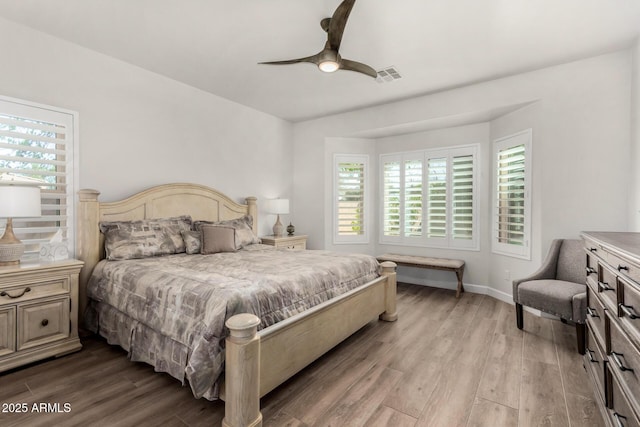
x=507, y=275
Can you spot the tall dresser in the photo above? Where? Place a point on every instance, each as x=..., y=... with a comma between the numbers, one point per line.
x=612, y=357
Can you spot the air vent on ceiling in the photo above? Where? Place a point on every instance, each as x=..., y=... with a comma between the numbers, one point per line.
x=388, y=74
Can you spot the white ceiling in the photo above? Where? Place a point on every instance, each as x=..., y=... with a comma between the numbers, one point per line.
x=215, y=45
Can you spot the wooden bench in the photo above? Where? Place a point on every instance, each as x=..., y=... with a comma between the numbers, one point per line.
x=455, y=265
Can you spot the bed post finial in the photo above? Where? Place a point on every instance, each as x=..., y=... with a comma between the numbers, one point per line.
x=390, y=314
x=242, y=372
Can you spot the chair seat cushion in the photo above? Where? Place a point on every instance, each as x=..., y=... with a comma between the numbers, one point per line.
x=564, y=299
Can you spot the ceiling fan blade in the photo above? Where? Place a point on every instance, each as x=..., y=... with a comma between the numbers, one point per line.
x=338, y=22
x=312, y=59
x=346, y=64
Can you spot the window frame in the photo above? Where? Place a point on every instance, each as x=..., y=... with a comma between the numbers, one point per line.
x=341, y=239
x=446, y=242
x=27, y=110
x=525, y=138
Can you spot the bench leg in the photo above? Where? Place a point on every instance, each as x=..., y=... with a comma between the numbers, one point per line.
x=459, y=274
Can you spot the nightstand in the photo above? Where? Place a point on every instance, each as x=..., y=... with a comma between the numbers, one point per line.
x=38, y=311
x=298, y=241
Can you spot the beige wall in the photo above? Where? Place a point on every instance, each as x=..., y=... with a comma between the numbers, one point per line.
x=139, y=129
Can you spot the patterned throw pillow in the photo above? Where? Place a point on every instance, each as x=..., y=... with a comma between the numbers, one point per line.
x=144, y=238
x=192, y=241
x=243, y=227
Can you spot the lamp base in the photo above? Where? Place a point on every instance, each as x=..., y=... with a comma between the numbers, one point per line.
x=10, y=253
x=11, y=248
x=278, y=228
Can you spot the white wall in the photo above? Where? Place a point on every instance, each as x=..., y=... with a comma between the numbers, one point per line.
x=580, y=116
x=139, y=129
x=634, y=158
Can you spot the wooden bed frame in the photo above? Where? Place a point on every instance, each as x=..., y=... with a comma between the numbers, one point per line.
x=254, y=364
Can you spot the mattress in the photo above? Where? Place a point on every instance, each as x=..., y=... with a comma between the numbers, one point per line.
x=170, y=311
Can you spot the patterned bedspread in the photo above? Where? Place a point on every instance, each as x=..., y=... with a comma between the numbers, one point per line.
x=170, y=311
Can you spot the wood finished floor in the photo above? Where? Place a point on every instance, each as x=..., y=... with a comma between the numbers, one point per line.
x=445, y=362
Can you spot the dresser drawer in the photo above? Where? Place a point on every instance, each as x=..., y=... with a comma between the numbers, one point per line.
x=620, y=408
x=7, y=330
x=43, y=322
x=596, y=317
x=624, y=358
x=592, y=262
x=29, y=291
x=624, y=267
x=629, y=309
x=608, y=288
x=594, y=362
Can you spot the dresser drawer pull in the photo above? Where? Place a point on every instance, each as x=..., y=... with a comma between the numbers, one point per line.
x=617, y=416
x=618, y=362
x=591, y=358
x=604, y=286
x=592, y=312
x=623, y=267
x=593, y=249
x=6, y=294
x=44, y=322
x=628, y=311
x=590, y=271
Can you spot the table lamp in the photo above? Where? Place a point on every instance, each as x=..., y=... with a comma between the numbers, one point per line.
x=278, y=206
x=17, y=200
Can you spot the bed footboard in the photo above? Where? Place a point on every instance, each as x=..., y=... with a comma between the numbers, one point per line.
x=306, y=337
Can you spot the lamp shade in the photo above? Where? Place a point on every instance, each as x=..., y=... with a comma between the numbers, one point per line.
x=19, y=201
x=277, y=206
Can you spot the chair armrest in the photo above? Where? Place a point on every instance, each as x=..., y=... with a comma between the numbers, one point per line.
x=546, y=271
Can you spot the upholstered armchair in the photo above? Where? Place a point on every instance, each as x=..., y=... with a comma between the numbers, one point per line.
x=558, y=287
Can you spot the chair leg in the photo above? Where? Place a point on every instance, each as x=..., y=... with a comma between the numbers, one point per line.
x=519, y=316
x=581, y=332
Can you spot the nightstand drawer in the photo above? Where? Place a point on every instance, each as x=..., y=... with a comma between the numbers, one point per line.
x=7, y=330
x=42, y=322
x=30, y=291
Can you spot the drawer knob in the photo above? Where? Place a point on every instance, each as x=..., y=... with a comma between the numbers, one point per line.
x=628, y=311
x=7, y=294
x=604, y=286
x=44, y=322
x=623, y=267
x=618, y=362
x=590, y=271
x=592, y=312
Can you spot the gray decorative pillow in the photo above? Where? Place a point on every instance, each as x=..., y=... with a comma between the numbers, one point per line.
x=218, y=238
x=144, y=238
x=243, y=227
x=192, y=241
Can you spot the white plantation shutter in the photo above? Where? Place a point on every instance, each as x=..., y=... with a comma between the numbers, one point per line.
x=413, y=198
x=429, y=198
x=437, y=198
x=36, y=144
x=511, y=201
x=391, y=198
x=462, y=177
x=350, y=200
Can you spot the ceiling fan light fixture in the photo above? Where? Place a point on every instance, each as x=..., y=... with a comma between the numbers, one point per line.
x=328, y=66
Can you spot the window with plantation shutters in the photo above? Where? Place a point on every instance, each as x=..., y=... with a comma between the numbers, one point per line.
x=36, y=145
x=429, y=198
x=511, y=202
x=350, y=199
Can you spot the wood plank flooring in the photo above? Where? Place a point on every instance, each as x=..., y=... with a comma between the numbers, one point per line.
x=445, y=362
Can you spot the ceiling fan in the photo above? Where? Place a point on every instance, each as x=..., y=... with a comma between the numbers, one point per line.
x=329, y=60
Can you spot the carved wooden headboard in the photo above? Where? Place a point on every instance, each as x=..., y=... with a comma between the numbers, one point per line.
x=198, y=201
